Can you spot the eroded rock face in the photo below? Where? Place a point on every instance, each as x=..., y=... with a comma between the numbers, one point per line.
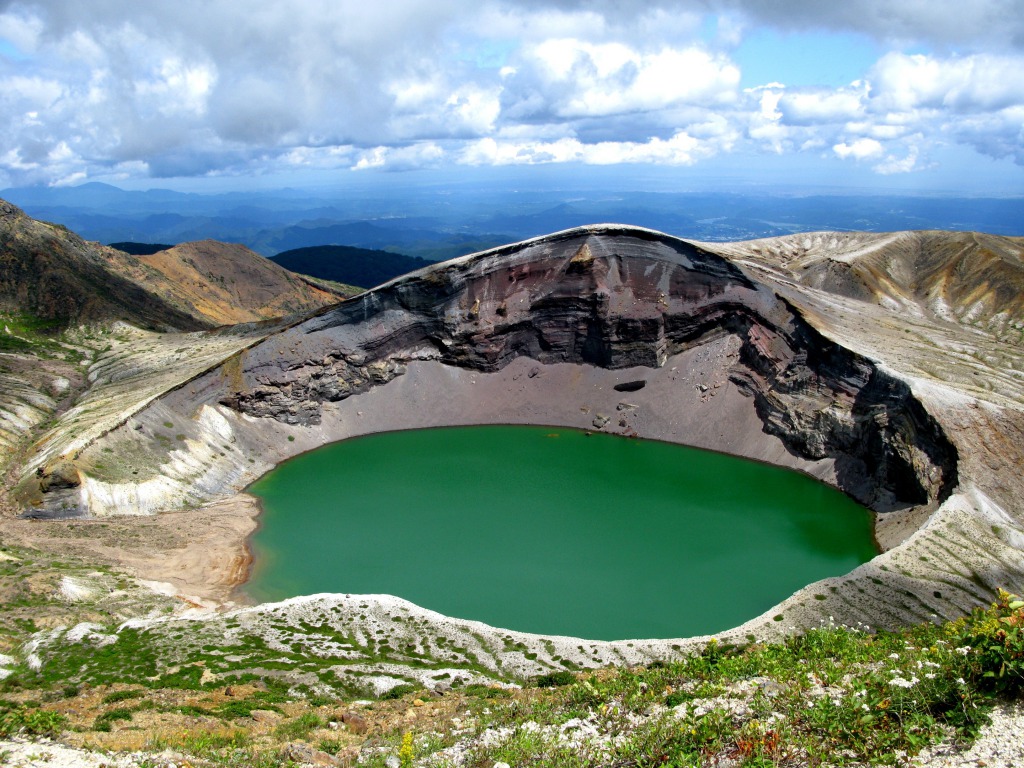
x=634, y=333
x=614, y=299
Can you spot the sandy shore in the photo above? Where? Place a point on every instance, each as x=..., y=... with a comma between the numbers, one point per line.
x=201, y=556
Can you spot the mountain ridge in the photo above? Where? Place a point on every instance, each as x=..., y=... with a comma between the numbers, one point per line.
x=347, y=264
x=721, y=346
x=50, y=272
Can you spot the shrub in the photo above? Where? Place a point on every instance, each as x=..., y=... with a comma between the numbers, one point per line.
x=106, y=720
x=116, y=696
x=31, y=722
x=398, y=691
x=555, y=680
x=996, y=636
x=300, y=727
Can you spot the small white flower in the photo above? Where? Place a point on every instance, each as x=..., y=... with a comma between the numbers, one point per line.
x=930, y=675
x=960, y=681
x=899, y=682
x=894, y=655
x=963, y=650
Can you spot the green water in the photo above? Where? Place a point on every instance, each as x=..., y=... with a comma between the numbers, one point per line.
x=549, y=530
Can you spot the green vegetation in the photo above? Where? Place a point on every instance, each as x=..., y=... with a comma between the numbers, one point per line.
x=117, y=696
x=104, y=722
x=300, y=727
x=555, y=680
x=835, y=694
x=26, y=721
x=26, y=333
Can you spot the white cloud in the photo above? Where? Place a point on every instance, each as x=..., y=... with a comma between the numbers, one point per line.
x=570, y=78
x=198, y=87
x=859, y=149
x=904, y=164
x=810, y=107
x=420, y=155
x=434, y=108
x=21, y=30
x=998, y=135
x=882, y=131
x=969, y=83
x=680, y=149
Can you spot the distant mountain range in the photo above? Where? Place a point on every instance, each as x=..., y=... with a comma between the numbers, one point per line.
x=437, y=223
x=352, y=266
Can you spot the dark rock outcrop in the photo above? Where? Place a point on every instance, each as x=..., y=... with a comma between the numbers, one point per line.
x=614, y=298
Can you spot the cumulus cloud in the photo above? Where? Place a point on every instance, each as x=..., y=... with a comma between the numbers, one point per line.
x=962, y=83
x=905, y=164
x=813, y=107
x=680, y=149
x=567, y=78
x=419, y=155
x=858, y=149
x=112, y=88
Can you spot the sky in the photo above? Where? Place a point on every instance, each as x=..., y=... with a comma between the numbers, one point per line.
x=924, y=95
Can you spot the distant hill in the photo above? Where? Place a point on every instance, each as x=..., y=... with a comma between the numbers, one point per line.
x=52, y=274
x=227, y=283
x=974, y=278
x=352, y=266
x=141, y=249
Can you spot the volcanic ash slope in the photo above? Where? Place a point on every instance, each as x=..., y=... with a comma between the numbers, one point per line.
x=884, y=395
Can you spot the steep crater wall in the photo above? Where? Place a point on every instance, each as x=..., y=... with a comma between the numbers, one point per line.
x=614, y=300
x=603, y=299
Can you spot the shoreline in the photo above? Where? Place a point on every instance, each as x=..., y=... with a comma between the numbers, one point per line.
x=201, y=557
x=236, y=594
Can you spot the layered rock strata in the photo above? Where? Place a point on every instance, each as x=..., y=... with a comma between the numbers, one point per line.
x=622, y=330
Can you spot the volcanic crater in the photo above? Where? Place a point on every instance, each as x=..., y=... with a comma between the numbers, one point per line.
x=735, y=347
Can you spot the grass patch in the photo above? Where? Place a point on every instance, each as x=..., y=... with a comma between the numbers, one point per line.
x=116, y=696
x=105, y=721
x=300, y=727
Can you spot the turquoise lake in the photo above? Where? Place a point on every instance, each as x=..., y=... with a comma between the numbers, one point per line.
x=552, y=531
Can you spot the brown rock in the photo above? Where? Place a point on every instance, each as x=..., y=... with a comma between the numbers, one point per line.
x=60, y=474
x=297, y=752
x=354, y=722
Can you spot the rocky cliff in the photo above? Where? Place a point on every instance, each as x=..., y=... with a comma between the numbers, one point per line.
x=629, y=331
x=616, y=299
